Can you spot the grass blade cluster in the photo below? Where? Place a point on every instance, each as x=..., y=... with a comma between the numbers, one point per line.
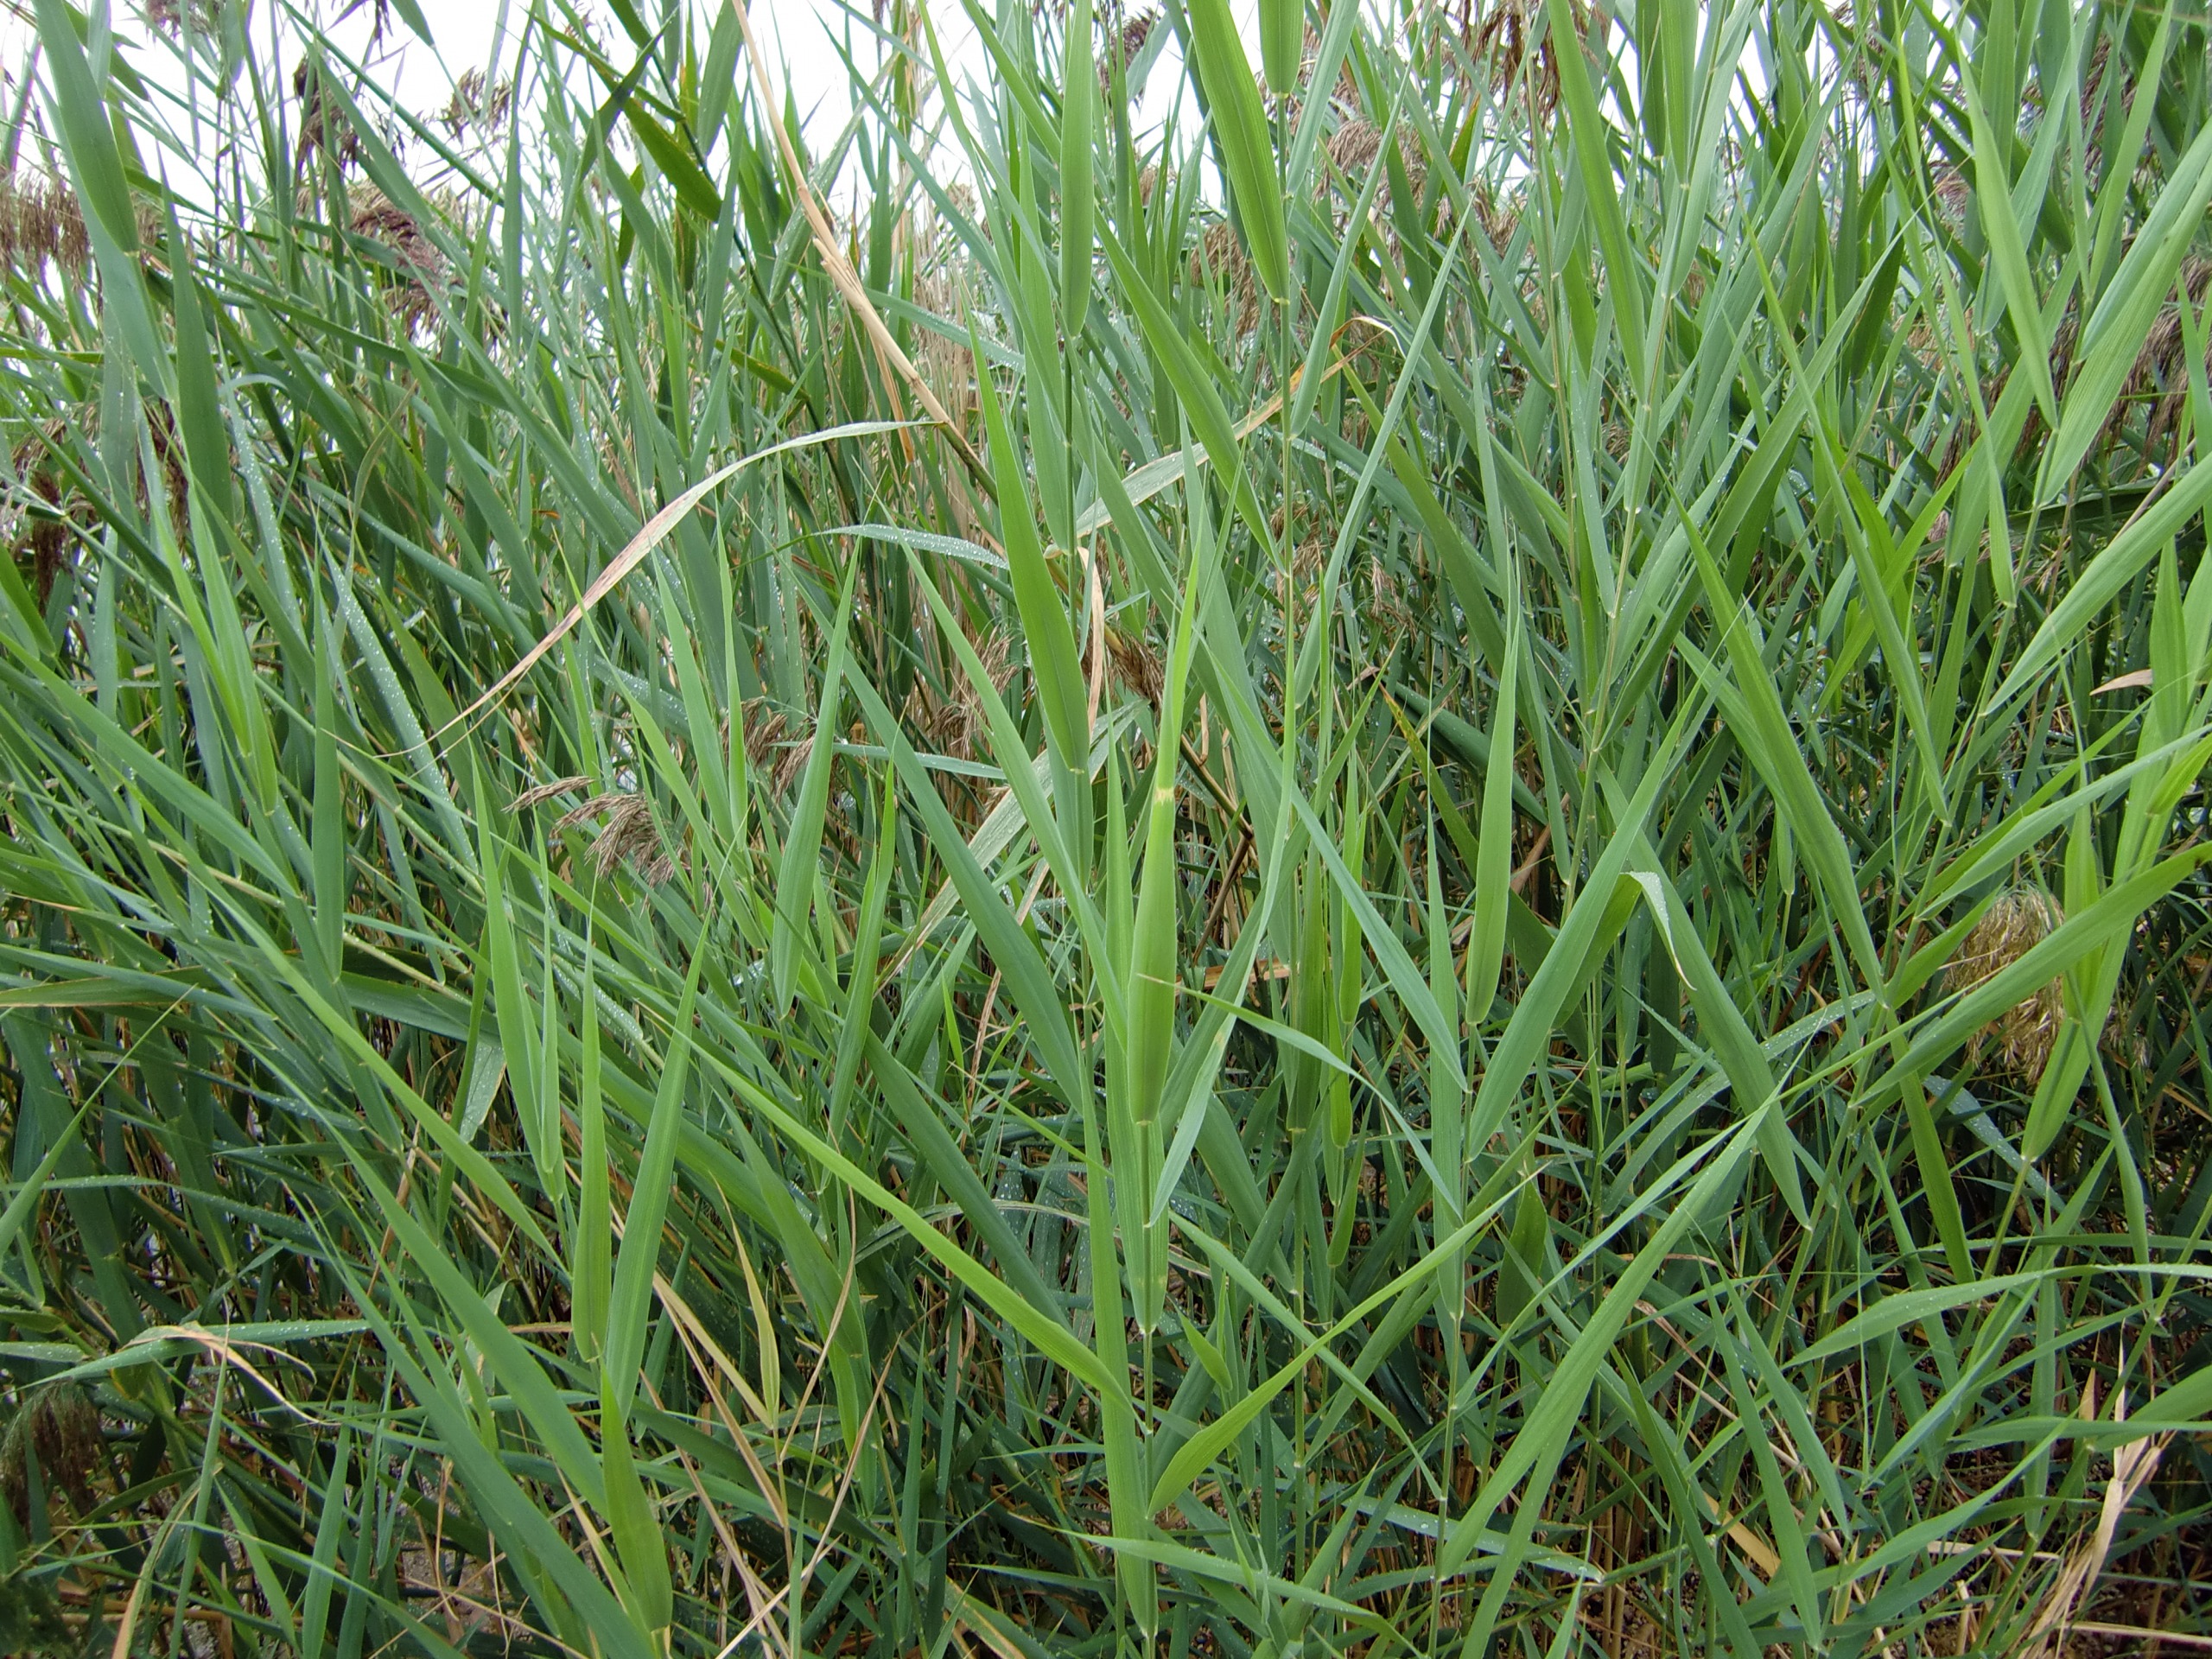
x=1416, y=867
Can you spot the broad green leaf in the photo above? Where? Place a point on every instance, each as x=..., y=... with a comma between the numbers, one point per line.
x=1240, y=127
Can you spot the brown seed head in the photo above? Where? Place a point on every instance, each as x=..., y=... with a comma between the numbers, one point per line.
x=773, y=751
x=541, y=793
x=1137, y=664
x=375, y=216
x=1221, y=254
x=475, y=105
x=61, y=1428
x=41, y=224
x=629, y=837
x=174, y=20
x=2017, y=1041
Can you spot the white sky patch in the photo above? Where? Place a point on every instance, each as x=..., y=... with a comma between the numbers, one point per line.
x=803, y=42
x=796, y=34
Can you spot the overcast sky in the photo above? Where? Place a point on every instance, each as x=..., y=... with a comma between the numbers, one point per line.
x=799, y=37
x=795, y=34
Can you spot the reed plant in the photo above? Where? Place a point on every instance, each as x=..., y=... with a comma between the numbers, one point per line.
x=1412, y=866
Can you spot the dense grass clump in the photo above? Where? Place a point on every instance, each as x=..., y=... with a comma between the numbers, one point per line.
x=1418, y=869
